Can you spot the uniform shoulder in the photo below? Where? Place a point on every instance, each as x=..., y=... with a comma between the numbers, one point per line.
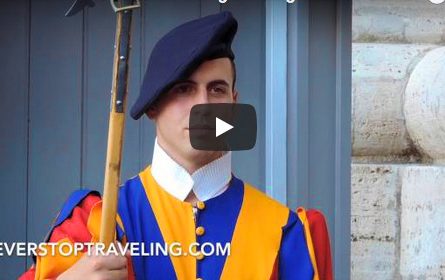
x=82, y=200
x=128, y=189
x=132, y=180
x=264, y=201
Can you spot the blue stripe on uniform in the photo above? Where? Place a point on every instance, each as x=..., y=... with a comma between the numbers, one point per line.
x=140, y=226
x=219, y=218
x=294, y=260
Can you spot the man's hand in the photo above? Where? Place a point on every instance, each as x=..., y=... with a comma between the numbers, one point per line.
x=98, y=267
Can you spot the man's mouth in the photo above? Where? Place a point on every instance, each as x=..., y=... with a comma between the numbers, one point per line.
x=201, y=127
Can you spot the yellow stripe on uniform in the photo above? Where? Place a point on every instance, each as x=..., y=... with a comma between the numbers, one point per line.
x=172, y=213
x=307, y=232
x=52, y=265
x=256, y=238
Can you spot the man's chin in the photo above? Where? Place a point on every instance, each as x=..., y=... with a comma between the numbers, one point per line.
x=202, y=153
x=203, y=156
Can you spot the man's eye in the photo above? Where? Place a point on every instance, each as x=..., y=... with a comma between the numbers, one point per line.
x=218, y=90
x=181, y=89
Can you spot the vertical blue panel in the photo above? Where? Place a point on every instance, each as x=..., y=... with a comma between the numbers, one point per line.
x=342, y=214
x=276, y=99
x=55, y=104
x=14, y=54
x=99, y=30
x=298, y=109
x=249, y=49
x=322, y=114
x=319, y=117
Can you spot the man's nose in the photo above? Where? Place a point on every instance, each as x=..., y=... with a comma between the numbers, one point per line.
x=202, y=96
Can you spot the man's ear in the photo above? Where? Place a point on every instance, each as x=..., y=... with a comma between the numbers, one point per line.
x=152, y=112
x=235, y=96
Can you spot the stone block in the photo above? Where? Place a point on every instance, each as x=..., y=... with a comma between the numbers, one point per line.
x=375, y=221
x=423, y=222
x=398, y=21
x=379, y=77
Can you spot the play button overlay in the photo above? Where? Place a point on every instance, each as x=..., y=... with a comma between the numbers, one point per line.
x=223, y=127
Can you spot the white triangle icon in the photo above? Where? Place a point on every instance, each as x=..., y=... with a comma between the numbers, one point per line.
x=221, y=127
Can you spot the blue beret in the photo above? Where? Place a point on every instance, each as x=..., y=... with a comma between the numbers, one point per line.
x=180, y=52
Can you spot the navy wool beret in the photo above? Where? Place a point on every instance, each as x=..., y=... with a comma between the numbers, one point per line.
x=180, y=52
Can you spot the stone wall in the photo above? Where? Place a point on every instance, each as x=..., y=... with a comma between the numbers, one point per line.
x=398, y=140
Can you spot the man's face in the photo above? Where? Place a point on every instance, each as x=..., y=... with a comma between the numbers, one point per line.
x=212, y=82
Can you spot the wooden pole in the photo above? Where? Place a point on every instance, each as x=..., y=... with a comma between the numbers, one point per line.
x=116, y=124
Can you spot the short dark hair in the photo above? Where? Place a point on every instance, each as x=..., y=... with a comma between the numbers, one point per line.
x=234, y=73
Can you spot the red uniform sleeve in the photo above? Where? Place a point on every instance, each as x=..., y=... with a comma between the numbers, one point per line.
x=322, y=246
x=76, y=228
x=28, y=275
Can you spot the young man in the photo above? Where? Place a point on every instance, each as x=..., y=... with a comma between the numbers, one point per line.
x=186, y=197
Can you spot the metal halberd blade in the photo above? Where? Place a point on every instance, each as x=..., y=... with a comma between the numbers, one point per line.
x=79, y=5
